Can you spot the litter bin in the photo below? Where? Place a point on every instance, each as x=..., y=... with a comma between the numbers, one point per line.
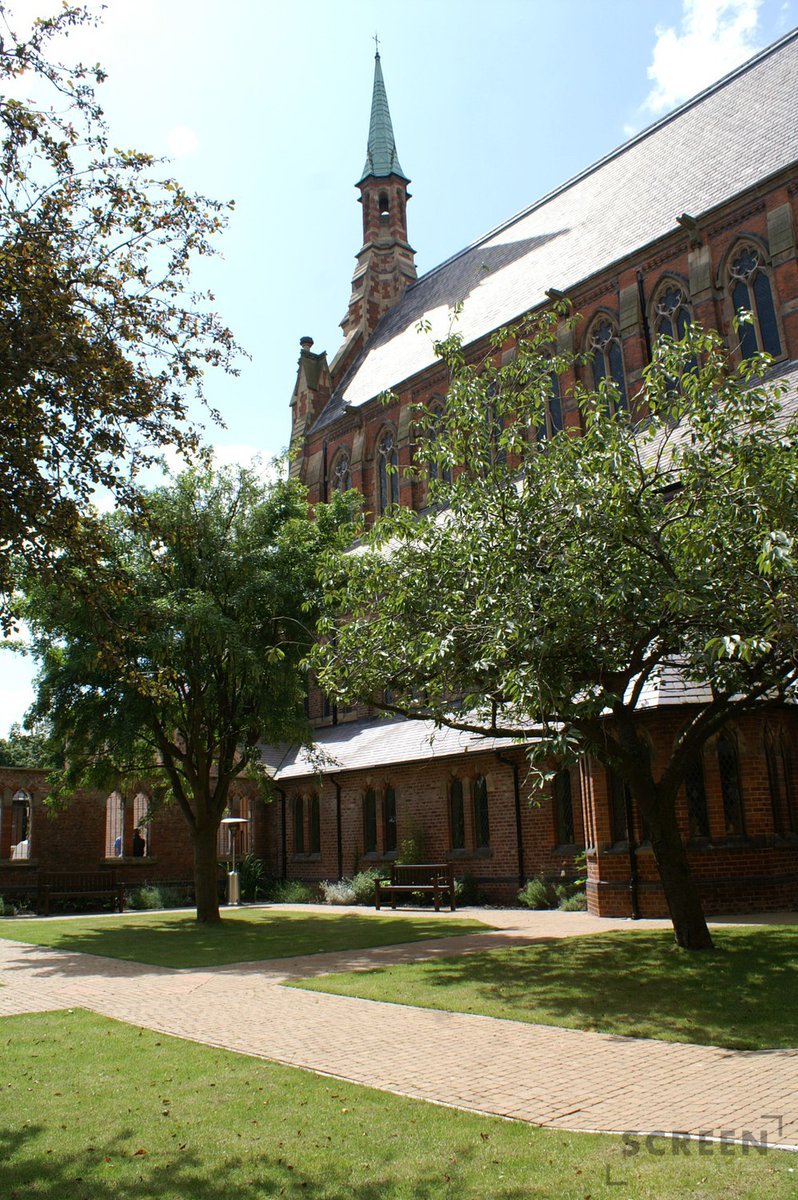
x=233, y=887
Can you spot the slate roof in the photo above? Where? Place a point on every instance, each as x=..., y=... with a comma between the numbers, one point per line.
x=359, y=745
x=732, y=136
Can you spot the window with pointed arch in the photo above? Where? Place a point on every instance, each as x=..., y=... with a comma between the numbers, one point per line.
x=750, y=290
x=370, y=821
x=142, y=829
x=21, y=821
x=563, y=801
x=552, y=421
x=729, y=770
x=299, y=825
x=115, y=825
x=387, y=476
x=314, y=813
x=671, y=310
x=457, y=814
x=341, y=474
x=434, y=422
x=389, y=842
x=696, y=796
x=481, y=813
x=781, y=779
x=604, y=345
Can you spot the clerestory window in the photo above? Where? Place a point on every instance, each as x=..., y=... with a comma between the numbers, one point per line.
x=750, y=291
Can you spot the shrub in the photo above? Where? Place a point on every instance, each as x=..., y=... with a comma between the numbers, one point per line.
x=538, y=893
x=575, y=903
x=289, y=891
x=363, y=885
x=468, y=891
x=338, y=891
x=252, y=873
x=155, y=895
x=411, y=849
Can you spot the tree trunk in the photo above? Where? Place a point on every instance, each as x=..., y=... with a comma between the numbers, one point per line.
x=206, y=873
x=681, y=892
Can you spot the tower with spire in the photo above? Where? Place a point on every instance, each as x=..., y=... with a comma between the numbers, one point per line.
x=386, y=260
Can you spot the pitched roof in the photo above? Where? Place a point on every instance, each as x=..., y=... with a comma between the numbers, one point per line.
x=711, y=149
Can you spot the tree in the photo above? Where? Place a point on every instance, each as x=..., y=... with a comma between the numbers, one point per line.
x=102, y=345
x=26, y=749
x=182, y=650
x=556, y=578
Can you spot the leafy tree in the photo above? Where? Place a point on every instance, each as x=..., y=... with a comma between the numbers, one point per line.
x=26, y=749
x=556, y=579
x=102, y=345
x=183, y=649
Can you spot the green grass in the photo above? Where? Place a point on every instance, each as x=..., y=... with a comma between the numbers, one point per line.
x=176, y=940
x=98, y=1110
x=741, y=996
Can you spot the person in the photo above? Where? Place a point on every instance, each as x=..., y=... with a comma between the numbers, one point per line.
x=118, y=846
x=139, y=844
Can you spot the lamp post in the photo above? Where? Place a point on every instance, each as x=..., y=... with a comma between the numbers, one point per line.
x=233, y=824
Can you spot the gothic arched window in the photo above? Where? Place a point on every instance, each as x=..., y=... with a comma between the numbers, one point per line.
x=563, y=808
x=299, y=825
x=387, y=477
x=315, y=825
x=671, y=311
x=605, y=346
x=729, y=768
x=434, y=469
x=341, y=474
x=552, y=418
x=370, y=821
x=481, y=816
x=750, y=290
x=695, y=791
x=457, y=814
x=21, y=814
x=389, y=819
x=780, y=778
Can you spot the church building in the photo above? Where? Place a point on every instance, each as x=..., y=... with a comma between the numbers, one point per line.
x=690, y=220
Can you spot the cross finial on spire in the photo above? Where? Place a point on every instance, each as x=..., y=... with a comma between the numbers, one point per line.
x=377, y=44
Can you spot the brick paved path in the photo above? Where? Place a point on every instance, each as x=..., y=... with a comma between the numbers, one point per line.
x=556, y=1077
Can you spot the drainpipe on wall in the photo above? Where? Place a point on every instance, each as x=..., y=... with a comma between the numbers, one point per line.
x=336, y=784
x=509, y=762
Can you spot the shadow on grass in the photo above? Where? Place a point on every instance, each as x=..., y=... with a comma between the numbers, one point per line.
x=108, y=1170
x=741, y=996
x=177, y=940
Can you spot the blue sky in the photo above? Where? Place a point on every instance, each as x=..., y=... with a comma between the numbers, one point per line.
x=494, y=102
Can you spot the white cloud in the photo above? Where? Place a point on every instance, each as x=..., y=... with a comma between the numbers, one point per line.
x=714, y=37
x=182, y=140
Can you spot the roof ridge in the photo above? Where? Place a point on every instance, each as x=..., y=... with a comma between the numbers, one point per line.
x=718, y=85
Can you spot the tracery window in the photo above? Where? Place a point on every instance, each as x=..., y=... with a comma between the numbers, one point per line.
x=387, y=477
x=671, y=311
x=729, y=768
x=341, y=474
x=750, y=290
x=481, y=815
x=457, y=814
x=605, y=346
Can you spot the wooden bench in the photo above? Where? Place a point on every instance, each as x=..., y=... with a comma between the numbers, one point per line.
x=78, y=885
x=435, y=879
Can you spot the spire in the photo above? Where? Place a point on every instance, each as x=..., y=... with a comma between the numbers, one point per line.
x=381, y=156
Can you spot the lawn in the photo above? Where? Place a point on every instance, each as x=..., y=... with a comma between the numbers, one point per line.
x=741, y=996
x=98, y=1110
x=245, y=935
